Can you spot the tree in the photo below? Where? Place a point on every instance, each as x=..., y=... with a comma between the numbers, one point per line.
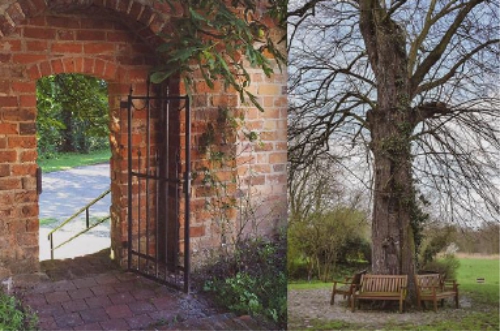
x=410, y=85
x=72, y=110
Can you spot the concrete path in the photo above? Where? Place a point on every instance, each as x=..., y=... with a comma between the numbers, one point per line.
x=64, y=193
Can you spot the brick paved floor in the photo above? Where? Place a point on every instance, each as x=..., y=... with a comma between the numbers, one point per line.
x=90, y=293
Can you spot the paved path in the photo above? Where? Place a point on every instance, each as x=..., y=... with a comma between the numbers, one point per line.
x=64, y=193
x=92, y=293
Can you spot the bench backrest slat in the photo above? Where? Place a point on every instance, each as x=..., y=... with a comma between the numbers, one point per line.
x=429, y=280
x=383, y=283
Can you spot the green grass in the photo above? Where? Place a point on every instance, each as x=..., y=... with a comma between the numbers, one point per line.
x=66, y=161
x=48, y=221
x=304, y=285
x=471, y=269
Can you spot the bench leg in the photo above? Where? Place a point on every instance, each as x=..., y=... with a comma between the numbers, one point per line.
x=456, y=301
x=353, y=302
x=435, y=306
x=332, y=300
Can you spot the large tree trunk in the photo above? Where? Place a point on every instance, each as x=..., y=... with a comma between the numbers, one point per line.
x=67, y=133
x=391, y=126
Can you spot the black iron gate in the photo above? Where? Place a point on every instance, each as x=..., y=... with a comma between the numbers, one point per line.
x=158, y=188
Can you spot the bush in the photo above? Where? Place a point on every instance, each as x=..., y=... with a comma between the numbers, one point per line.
x=252, y=280
x=14, y=317
x=326, y=238
x=447, y=266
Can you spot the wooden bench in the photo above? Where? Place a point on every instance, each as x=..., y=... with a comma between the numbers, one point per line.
x=347, y=287
x=433, y=288
x=381, y=287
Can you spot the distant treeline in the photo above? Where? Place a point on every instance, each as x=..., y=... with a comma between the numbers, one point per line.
x=73, y=114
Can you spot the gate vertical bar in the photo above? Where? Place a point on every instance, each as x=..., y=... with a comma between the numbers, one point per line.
x=148, y=167
x=129, y=131
x=187, y=188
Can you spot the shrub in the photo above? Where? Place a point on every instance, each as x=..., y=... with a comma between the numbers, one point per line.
x=14, y=317
x=446, y=266
x=252, y=280
x=326, y=238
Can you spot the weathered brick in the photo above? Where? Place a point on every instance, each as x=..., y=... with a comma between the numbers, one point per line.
x=4, y=170
x=8, y=101
x=90, y=35
x=39, y=33
x=27, y=101
x=30, y=210
x=197, y=231
x=28, y=156
x=28, y=183
x=24, y=87
x=22, y=142
x=25, y=197
x=8, y=128
x=63, y=22
x=23, y=169
x=66, y=35
x=6, y=26
x=9, y=184
x=27, y=128
x=98, y=48
x=67, y=47
x=8, y=156
x=28, y=58
x=16, y=13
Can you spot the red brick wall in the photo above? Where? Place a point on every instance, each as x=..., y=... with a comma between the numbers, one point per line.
x=114, y=40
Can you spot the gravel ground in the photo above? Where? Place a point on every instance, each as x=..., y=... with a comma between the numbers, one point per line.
x=308, y=306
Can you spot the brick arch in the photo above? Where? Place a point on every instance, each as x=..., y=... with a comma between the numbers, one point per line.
x=153, y=18
x=27, y=58
x=102, y=69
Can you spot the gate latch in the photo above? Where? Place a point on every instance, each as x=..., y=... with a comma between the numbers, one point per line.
x=39, y=180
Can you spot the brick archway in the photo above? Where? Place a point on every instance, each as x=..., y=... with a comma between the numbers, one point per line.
x=43, y=40
x=115, y=40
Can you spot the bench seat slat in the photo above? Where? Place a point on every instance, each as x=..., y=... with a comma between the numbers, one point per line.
x=381, y=287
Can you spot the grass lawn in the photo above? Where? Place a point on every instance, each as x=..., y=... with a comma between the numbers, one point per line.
x=479, y=311
x=66, y=161
x=473, y=268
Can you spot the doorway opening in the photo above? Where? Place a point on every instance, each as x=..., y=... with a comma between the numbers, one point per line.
x=74, y=165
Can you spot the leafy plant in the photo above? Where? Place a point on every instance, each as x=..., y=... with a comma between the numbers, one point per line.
x=14, y=317
x=447, y=266
x=252, y=280
x=213, y=36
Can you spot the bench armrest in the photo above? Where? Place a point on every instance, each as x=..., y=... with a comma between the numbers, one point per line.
x=450, y=284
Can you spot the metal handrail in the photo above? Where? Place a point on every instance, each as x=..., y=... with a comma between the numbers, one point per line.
x=85, y=209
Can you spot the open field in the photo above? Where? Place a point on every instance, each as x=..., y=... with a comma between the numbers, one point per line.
x=309, y=308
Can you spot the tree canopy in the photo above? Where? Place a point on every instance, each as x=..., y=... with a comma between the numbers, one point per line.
x=73, y=114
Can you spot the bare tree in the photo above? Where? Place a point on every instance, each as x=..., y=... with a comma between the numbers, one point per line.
x=412, y=86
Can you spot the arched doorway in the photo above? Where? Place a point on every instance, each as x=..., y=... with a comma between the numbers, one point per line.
x=73, y=154
x=46, y=40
